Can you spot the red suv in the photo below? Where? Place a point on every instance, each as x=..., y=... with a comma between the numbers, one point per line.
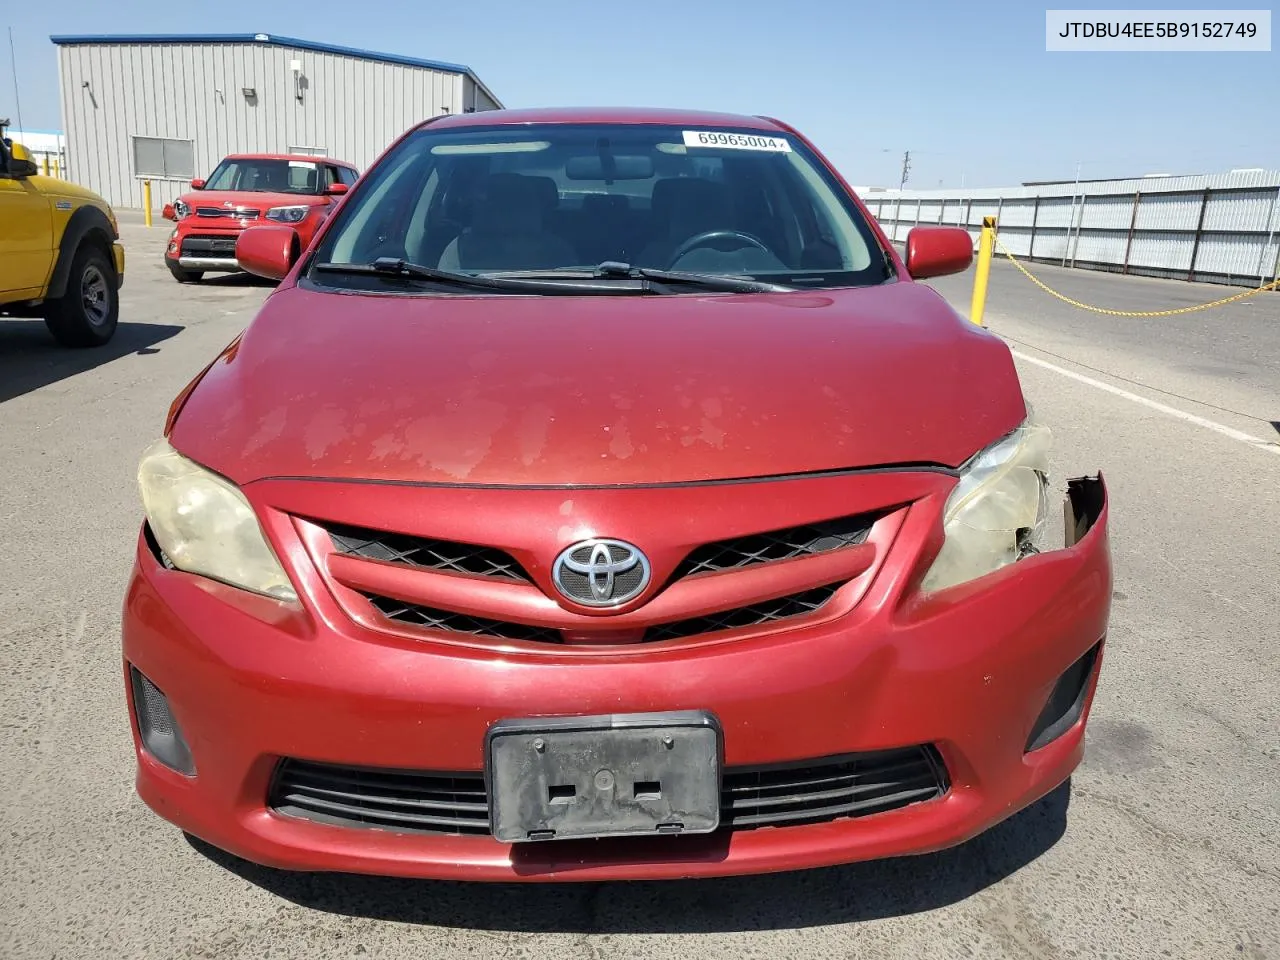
x=602, y=496
x=247, y=189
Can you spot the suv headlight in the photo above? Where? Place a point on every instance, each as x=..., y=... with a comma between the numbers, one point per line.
x=205, y=525
x=180, y=209
x=288, y=214
x=997, y=512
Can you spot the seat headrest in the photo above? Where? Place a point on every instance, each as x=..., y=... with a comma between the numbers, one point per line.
x=692, y=205
x=512, y=201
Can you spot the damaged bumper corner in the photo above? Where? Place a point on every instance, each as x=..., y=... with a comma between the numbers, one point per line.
x=1084, y=506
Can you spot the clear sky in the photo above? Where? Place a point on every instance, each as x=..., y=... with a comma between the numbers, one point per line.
x=966, y=87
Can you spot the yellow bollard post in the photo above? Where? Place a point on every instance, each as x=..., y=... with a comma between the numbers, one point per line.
x=146, y=202
x=986, y=245
x=57, y=170
x=46, y=164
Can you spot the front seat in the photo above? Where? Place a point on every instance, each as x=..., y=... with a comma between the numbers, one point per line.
x=507, y=229
x=683, y=208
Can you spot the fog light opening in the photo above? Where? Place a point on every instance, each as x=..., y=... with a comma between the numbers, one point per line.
x=1066, y=702
x=161, y=736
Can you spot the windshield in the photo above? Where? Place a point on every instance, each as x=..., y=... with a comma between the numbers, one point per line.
x=265, y=176
x=542, y=200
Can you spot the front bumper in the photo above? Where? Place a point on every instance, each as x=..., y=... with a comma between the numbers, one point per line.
x=117, y=254
x=205, y=248
x=251, y=681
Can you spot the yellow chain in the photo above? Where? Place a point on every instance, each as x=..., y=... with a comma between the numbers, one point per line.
x=1128, y=313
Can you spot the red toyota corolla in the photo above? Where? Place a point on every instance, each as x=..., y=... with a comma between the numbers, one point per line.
x=600, y=496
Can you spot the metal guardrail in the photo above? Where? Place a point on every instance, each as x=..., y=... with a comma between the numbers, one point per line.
x=1216, y=229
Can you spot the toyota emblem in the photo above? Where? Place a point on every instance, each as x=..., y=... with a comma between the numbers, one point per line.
x=601, y=573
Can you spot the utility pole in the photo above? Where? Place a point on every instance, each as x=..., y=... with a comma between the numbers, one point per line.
x=906, y=168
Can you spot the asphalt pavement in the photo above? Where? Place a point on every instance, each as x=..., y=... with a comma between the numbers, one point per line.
x=1166, y=843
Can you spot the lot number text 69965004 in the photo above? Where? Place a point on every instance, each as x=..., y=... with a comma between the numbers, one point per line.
x=737, y=141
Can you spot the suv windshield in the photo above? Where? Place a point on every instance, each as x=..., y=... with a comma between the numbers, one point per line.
x=265, y=176
x=609, y=200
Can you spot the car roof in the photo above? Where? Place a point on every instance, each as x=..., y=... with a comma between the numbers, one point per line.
x=621, y=115
x=303, y=157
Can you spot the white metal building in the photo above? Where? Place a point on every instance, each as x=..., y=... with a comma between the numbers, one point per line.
x=168, y=108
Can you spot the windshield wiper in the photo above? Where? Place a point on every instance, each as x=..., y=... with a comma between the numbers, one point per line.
x=396, y=267
x=711, y=281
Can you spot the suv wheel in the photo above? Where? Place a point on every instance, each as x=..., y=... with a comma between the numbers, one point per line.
x=87, y=313
x=183, y=276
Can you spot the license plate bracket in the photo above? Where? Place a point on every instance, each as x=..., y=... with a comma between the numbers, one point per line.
x=646, y=774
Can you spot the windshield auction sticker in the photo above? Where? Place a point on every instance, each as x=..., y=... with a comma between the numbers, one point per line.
x=1137, y=31
x=736, y=141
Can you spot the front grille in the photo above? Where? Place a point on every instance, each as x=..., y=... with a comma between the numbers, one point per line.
x=777, y=545
x=230, y=213
x=389, y=799
x=426, y=552
x=815, y=791
x=769, y=611
x=449, y=622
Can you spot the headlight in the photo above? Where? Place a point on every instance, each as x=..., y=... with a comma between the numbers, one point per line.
x=180, y=209
x=288, y=214
x=204, y=524
x=997, y=511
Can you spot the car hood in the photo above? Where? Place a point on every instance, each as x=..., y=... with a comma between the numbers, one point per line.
x=245, y=198
x=598, y=390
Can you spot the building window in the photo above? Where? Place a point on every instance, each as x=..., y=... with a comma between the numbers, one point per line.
x=308, y=151
x=163, y=158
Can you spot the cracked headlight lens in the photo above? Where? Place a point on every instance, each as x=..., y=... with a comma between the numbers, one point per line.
x=205, y=525
x=997, y=513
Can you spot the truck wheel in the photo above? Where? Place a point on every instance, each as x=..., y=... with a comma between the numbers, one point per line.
x=87, y=313
x=183, y=276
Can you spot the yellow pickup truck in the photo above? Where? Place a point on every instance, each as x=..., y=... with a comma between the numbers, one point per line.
x=60, y=252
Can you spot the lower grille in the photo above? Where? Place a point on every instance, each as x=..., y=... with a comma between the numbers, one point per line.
x=389, y=799
x=852, y=786
x=203, y=246
x=813, y=791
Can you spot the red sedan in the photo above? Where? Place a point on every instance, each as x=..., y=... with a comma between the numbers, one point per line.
x=601, y=496
x=243, y=190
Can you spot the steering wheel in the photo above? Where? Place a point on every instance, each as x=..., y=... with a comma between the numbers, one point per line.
x=705, y=238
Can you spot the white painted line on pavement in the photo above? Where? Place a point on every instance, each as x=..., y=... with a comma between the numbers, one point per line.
x=1213, y=425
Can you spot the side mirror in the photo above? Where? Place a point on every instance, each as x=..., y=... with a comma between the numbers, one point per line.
x=197, y=184
x=268, y=251
x=167, y=213
x=20, y=163
x=938, y=251
x=336, y=189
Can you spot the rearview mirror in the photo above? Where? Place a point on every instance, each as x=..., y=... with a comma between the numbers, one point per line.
x=167, y=213
x=197, y=184
x=938, y=251
x=336, y=189
x=595, y=167
x=20, y=162
x=268, y=251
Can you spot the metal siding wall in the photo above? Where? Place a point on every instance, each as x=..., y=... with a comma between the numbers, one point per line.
x=1089, y=224
x=353, y=108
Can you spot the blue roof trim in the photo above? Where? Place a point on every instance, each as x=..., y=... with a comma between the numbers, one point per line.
x=275, y=40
